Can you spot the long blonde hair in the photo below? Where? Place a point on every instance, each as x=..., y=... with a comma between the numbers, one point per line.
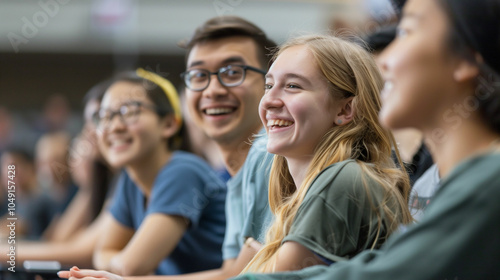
x=351, y=71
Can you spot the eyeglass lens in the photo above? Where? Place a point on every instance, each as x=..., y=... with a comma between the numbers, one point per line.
x=127, y=113
x=199, y=79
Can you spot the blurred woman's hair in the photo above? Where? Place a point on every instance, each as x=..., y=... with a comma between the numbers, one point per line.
x=474, y=34
x=160, y=98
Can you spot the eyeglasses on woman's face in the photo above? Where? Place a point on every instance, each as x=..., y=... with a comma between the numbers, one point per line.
x=127, y=112
x=228, y=76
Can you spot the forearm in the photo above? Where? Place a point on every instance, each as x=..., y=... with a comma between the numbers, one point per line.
x=125, y=265
x=75, y=218
x=66, y=253
x=102, y=258
x=157, y=237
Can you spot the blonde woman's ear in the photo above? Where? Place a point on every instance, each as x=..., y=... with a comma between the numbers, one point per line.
x=346, y=113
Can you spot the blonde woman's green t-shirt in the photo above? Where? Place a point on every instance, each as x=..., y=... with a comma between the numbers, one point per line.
x=336, y=220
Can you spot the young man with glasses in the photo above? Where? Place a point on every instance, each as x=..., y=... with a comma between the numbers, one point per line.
x=227, y=58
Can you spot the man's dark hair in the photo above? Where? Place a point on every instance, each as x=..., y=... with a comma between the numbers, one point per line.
x=230, y=26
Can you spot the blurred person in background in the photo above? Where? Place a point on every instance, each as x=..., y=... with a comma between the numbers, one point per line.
x=79, y=228
x=88, y=170
x=15, y=133
x=6, y=133
x=57, y=116
x=33, y=207
x=53, y=173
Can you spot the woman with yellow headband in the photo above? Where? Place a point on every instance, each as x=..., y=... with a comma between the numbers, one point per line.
x=168, y=212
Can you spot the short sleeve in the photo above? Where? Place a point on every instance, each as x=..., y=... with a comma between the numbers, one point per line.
x=333, y=220
x=180, y=190
x=120, y=208
x=322, y=230
x=247, y=204
x=256, y=195
x=232, y=243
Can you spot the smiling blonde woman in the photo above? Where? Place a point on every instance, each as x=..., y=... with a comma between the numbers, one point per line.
x=334, y=189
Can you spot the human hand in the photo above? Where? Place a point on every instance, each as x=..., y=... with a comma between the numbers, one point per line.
x=252, y=243
x=87, y=274
x=81, y=162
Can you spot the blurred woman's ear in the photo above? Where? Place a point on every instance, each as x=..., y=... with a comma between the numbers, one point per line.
x=170, y=126
x=466, y=70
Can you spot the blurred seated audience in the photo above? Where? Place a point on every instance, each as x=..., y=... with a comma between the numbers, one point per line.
x=79, y=228
x=33, y=208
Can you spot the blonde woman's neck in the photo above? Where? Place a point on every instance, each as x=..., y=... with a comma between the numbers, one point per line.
x=298, y=168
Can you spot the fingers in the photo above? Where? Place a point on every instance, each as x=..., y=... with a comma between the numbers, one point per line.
x=88, y=273
x=254, y=244
x=68, y=273
x=63, y=274
x=86, y=278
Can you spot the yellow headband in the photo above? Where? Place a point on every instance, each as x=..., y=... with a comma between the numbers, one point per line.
x=167, y=87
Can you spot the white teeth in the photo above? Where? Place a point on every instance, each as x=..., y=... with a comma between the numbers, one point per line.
x=279, y=123
x=118, y=142
x=218, y=111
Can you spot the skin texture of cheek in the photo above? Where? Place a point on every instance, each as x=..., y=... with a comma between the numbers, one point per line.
x=419, y=67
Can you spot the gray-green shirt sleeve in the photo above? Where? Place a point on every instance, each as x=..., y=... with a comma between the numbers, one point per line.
x=456, y=239
x=336, y=220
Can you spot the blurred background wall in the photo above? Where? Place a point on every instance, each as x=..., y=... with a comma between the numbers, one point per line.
x=53, y=51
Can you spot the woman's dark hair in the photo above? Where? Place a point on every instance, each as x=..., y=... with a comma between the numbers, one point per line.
x=20, y=153
x=102, y=186
x=102, y=176
x=158, y=96
x=475, y=30
x=397, y=5
x=378, y=40
x=97, y=92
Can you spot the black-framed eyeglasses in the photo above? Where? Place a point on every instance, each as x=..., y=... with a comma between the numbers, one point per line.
x=228, y=76
x=128, y=112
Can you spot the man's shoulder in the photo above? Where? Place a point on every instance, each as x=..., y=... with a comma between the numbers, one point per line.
x=258, y=157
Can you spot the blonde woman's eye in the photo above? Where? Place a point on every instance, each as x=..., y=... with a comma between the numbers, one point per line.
x=268, y=86
x=292, y=86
